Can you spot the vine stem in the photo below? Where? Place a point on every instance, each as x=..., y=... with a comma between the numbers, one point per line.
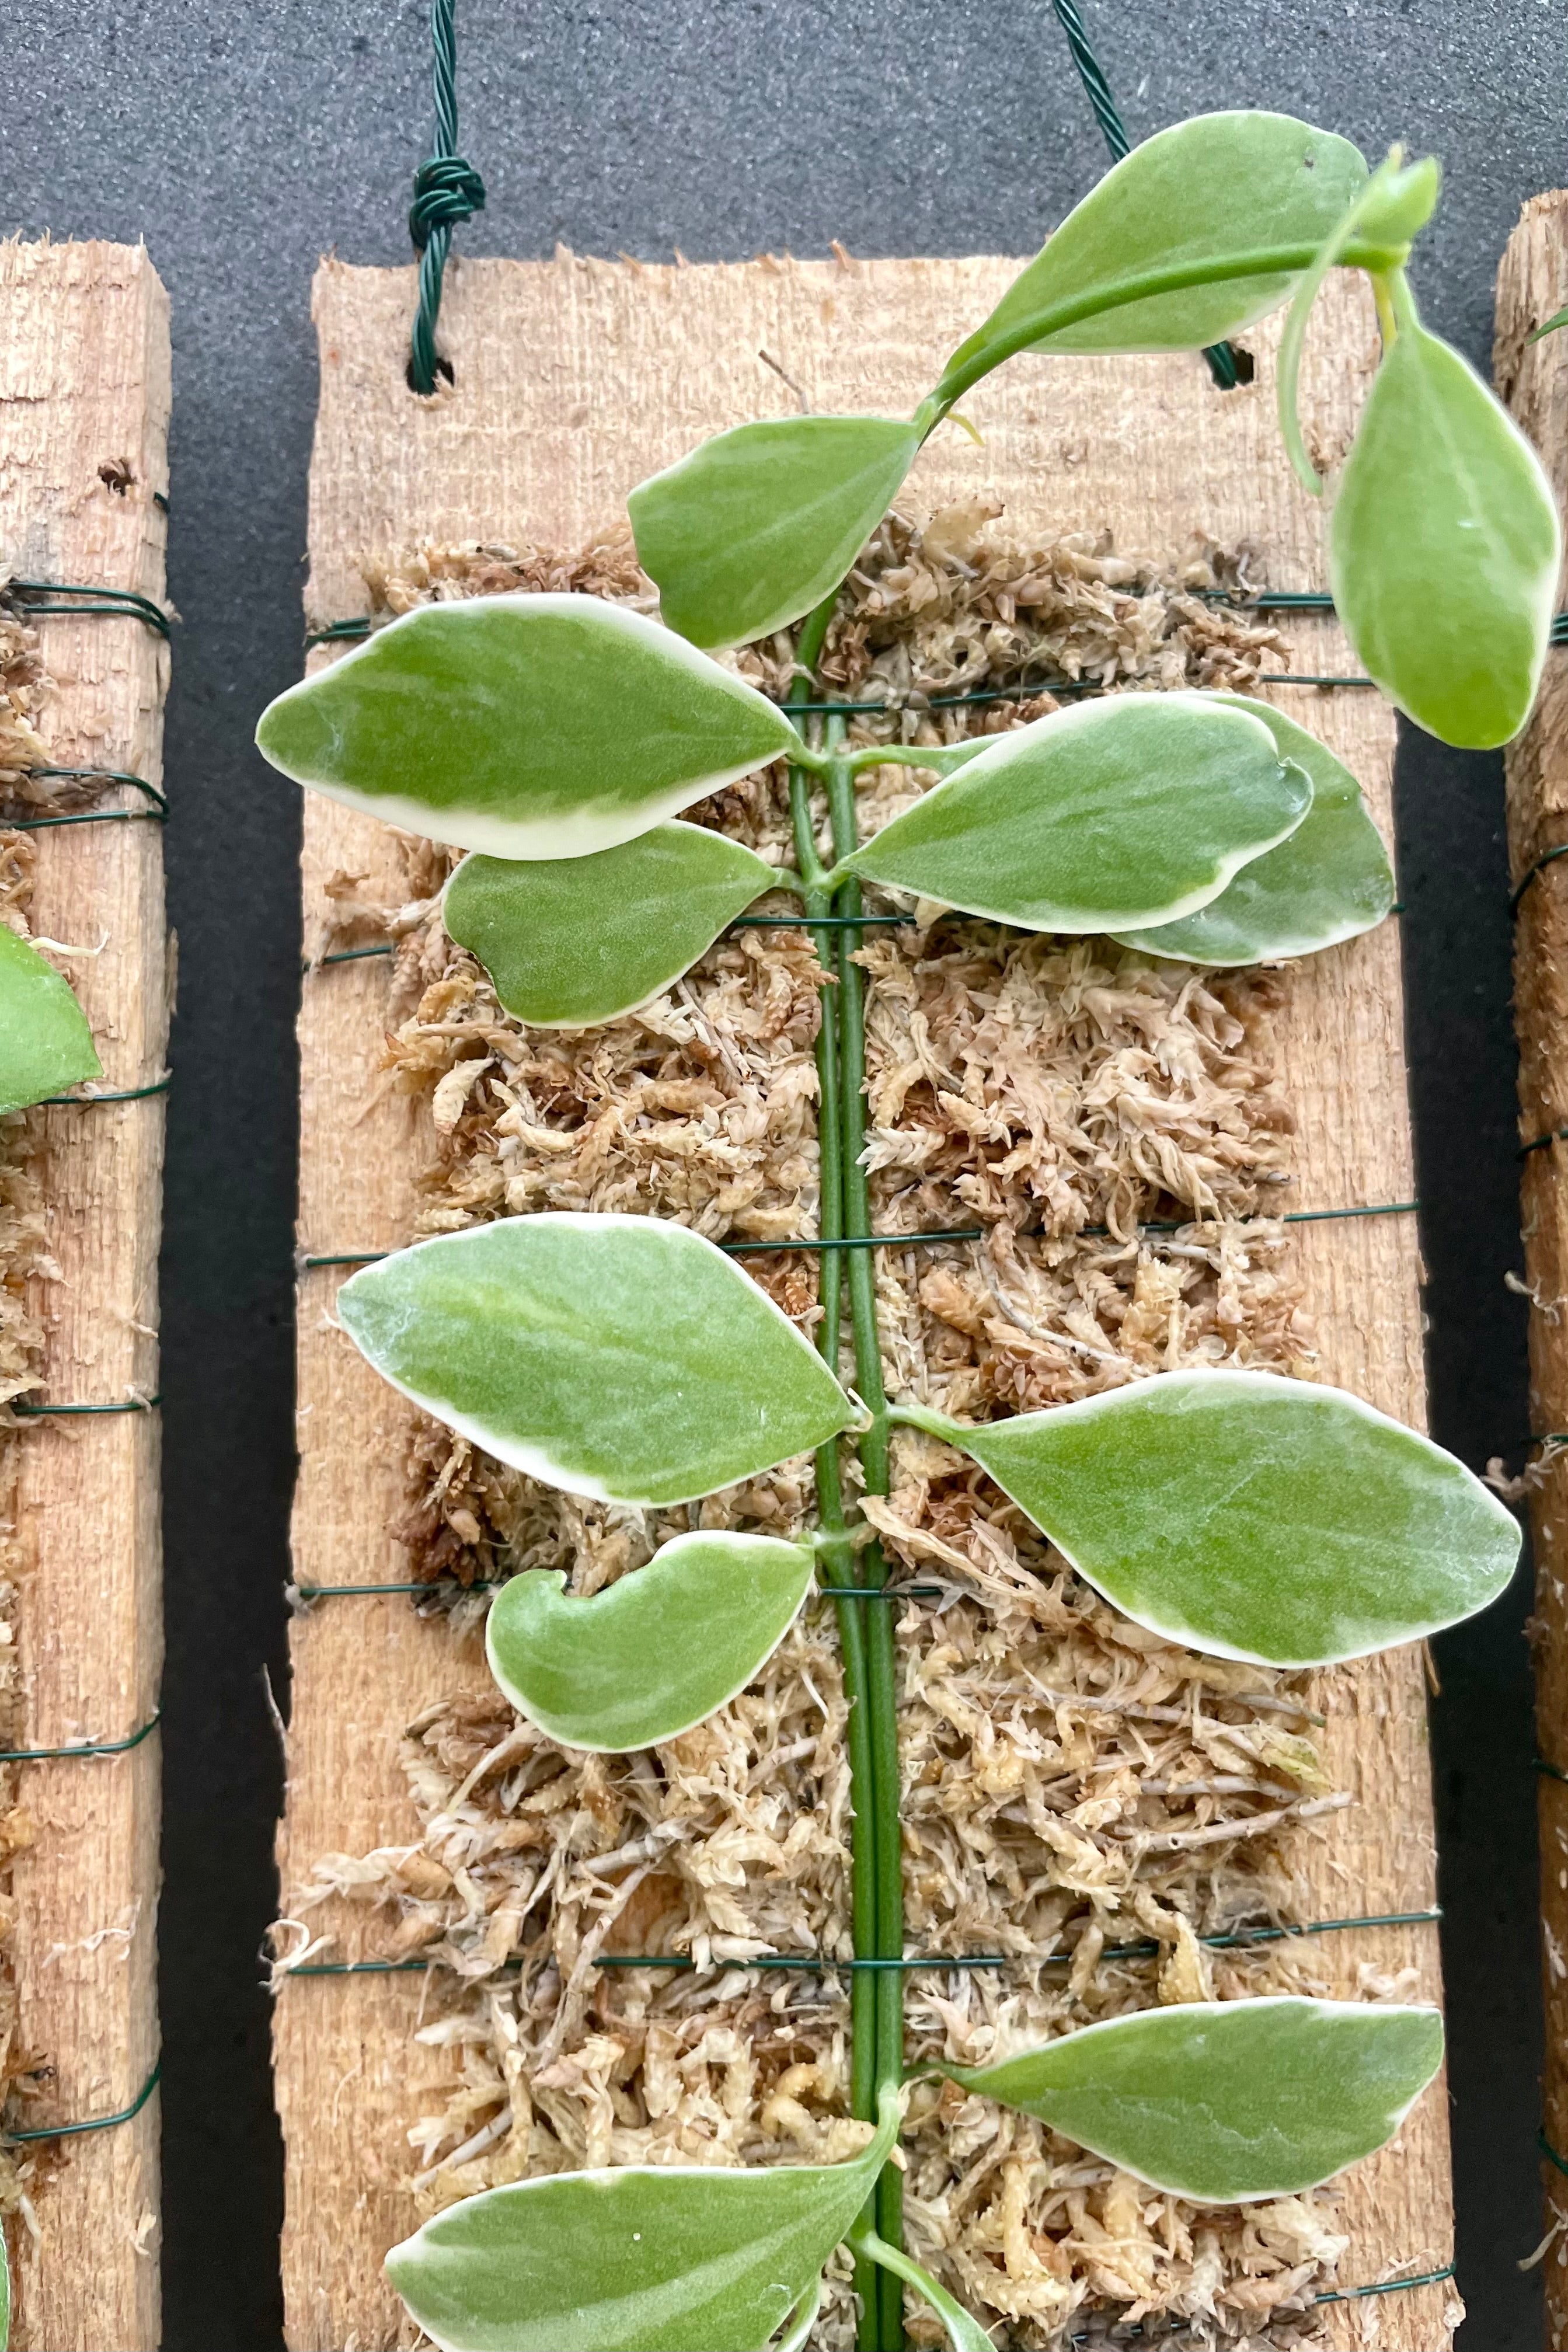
x=835, y=1565
x=881, y=1655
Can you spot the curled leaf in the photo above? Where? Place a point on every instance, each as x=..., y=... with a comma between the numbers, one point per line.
x=1217, y=195
x=1121, y=813
x=621, y=1358
x=570, y=941
x=1397, y=201
x=756, y=526
x=1445, y=546
x=1252, y=1517
x=1329, y=881
x=644, y=2258
x=654, y=1652
x=529, y=727
x=45, y=1042
x=1227, y=2102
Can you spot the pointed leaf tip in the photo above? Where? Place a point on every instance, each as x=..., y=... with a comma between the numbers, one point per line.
x=1252, y=1517
x=1227, y=2102
x=653, y=1654
x=622, y=1358
x=527, y=727
x=648, y=2258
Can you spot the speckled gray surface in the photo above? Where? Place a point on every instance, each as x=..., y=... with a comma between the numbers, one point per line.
x=241, y=142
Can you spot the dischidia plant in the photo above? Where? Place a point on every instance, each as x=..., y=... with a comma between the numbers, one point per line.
x=1249, y=1517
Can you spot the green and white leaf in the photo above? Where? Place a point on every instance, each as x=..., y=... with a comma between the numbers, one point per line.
x=570, y=942
x=653, y=1654
x=1221, y=192
x=1227, y=2102
x=529, y=726
x=1445, y=546
x=644, y=2258
x=621, y=1358
x=1331, y=880
x=756, y=526
x=45, y=1042
x=1252, y=1517
x=1120, y=813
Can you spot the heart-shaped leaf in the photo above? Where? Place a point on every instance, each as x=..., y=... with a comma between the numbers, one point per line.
x=1252, y=1517
x=756, y=526
x=570, y=942
x=1227, y=2102
x=524, y=726
x=1445, y=546
x=618, y=1357
x=1331, y=880
x=1137, y=802
x=648, y=2258
x=1222, y=192
x=654, y=1652
x=45, y=1042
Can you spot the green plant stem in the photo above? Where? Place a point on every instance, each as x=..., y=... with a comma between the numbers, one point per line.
x=975, y=359
x=836, y=1564
x=881, y=1656
x=963, y=2331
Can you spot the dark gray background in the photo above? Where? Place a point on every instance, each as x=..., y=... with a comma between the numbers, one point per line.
x=241, y=142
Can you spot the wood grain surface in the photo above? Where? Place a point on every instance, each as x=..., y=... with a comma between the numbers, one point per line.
x=84, y=386
x=1533, y=379
x=573, y=379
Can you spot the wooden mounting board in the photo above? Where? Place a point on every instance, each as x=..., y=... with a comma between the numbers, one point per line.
x=84, y=383
x=573, y=379
x=1533, y=378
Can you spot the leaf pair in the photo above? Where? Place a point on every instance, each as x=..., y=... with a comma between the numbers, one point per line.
x=1218, y=2103
x=1135, y=811
x=629, y=1359
x=45, y=1042
x=1203, y=826
x=560, y=731
x=1061, y=825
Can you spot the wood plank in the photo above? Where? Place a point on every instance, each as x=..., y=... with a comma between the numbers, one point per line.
x=85, y=376
x=1533, y=378
x=573, y=379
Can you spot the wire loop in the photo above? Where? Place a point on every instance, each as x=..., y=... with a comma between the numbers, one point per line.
x=156, y=814
x=85, y=1747
x=126, y=1404
x=1097, y=89
x=30, y=598
x=93, y=2123
x=446, y=190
